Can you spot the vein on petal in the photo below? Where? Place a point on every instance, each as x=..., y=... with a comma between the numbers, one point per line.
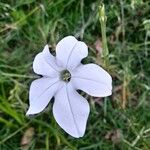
x=72, y=111
x=52, y=67
x=82, y=78
x=49, y=63
x=71, y=54
x=45, y=90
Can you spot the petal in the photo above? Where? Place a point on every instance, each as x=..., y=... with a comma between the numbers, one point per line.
x=71, y=111
x=41, y=92
x=93, y=80
x=70, y=52
x=45, y=64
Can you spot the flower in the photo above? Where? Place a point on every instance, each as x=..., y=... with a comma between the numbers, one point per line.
x=62, y=76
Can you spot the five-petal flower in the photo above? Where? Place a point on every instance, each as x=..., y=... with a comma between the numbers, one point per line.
x=62, y=76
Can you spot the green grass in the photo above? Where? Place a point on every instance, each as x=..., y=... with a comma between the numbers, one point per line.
x=26, y=26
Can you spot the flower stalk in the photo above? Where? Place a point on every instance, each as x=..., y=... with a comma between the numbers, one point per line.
x=103, y=19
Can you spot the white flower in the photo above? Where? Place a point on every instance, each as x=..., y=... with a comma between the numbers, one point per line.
x=62, y=76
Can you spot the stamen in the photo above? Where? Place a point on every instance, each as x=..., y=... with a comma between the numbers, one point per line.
x=65, y=75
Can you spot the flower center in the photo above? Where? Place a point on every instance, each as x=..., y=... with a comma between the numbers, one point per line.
x=65, y=75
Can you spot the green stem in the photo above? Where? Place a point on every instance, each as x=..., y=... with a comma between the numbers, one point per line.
x=103, y=19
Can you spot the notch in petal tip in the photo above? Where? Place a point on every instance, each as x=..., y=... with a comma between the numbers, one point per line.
x=46, y=47
x=29, y=112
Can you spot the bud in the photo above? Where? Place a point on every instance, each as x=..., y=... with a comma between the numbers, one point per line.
x=102, y=15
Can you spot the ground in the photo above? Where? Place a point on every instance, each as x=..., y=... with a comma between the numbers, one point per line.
x=118, y=122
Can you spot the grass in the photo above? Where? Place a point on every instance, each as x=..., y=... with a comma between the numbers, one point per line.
x=119, y=122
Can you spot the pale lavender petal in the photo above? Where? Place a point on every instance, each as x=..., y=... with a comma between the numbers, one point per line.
x=45, y=64
x=71, y=111
x=41, y=92
x=93, y=80
x=70, y=52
